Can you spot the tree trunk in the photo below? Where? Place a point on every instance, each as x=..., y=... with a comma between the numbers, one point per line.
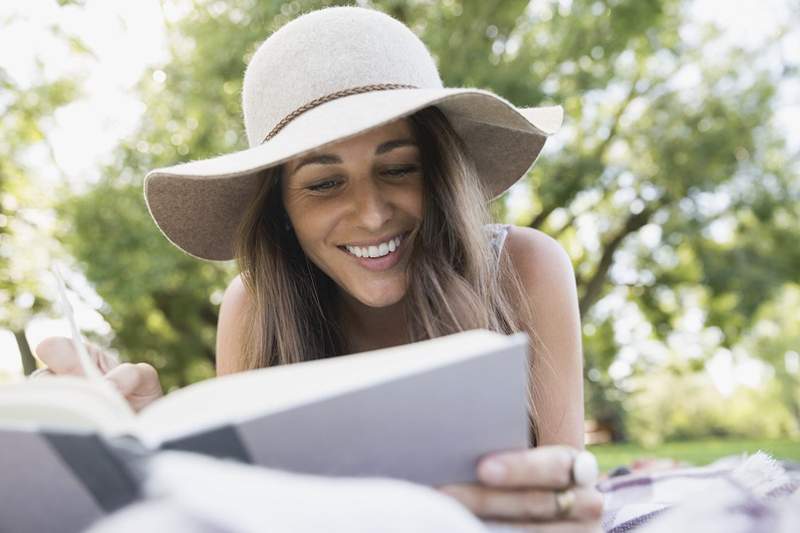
x=25, y=353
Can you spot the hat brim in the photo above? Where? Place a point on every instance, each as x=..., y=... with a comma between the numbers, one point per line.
x=198, y=205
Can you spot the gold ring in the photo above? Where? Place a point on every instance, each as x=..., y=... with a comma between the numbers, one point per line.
x=565, y=501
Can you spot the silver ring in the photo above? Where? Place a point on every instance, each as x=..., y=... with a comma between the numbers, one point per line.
x=41, y=372
x=565, y=501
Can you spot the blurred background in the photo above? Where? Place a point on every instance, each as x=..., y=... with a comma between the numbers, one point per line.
x=674, y=186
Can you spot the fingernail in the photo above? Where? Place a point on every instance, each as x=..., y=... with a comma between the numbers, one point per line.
x=493, y=471
x=584, y=469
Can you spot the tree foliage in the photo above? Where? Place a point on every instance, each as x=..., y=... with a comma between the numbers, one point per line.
x=24, y=247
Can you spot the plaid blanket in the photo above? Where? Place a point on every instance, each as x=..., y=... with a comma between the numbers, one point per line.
x=734, y=494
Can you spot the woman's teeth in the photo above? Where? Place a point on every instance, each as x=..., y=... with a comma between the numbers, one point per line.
x=378, y=250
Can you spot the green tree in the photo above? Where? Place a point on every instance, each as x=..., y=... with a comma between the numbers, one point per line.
x=24, y=248
x=776, y=338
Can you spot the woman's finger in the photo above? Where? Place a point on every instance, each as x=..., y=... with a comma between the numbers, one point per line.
x=137, y=382
x=545, y=467
x=126, y=378
x=59, y=355
x=526, y=504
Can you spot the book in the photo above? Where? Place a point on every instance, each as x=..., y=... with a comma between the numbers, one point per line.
x=423, y=412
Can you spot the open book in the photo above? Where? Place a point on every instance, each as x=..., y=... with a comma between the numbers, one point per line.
x=423, y=412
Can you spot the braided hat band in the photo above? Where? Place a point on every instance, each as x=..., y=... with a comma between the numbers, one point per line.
x=333, y=96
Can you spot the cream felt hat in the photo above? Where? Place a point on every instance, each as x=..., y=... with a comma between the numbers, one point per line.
x=326, y=76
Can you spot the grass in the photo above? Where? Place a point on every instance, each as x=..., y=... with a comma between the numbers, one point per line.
x=699, y=452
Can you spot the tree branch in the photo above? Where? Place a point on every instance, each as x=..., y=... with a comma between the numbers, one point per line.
x=599, y=151
x=606, y=188
x=595, y=285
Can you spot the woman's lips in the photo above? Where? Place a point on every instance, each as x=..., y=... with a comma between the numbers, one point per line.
x=379, y=264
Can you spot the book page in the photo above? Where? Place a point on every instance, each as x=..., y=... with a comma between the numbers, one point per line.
x=237, y=397
x=65, y=402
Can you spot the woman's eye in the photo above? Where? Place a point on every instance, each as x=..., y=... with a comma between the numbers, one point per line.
x=323, y=186
x=330, y=184
x=401, y=171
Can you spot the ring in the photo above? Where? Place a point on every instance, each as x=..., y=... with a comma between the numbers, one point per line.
x=565, y=500
x=41, y=372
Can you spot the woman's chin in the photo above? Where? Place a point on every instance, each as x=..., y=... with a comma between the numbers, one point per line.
x=381, y=297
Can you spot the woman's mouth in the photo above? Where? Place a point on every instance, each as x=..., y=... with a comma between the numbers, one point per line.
x=380, y=256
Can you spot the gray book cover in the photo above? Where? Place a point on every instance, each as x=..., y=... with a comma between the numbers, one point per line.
x=428, y=428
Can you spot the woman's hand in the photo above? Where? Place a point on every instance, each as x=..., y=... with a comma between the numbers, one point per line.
x=535, y=489
x=138, y=382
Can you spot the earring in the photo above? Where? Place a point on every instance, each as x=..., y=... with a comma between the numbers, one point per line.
x=287, y=223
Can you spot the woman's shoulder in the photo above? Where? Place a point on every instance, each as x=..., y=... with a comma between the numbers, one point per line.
x=230, y=326
x=235, y=294
x=537, y=257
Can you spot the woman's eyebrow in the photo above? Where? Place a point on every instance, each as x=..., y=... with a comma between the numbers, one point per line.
x=391, y=145
x=330, y=159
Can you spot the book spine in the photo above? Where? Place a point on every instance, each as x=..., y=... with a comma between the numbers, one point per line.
x=223, y=442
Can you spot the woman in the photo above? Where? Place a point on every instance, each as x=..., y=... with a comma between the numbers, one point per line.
x=358, y=219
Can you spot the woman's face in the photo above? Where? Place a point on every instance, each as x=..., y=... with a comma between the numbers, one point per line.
x=359, y=197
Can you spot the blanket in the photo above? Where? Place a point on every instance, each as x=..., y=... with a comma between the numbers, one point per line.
x=734, y=494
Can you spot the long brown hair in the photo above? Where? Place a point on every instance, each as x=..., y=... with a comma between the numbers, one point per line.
x=464, y=285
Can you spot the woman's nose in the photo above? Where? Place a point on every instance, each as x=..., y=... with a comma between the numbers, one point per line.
x=372, y=207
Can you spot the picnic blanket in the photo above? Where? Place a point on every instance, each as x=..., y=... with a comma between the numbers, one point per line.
x=734, y=494
x=193, y=493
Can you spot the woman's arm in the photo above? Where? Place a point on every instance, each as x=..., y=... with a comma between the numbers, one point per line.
x=231, y=327
x=540, y=487
x=549, y=280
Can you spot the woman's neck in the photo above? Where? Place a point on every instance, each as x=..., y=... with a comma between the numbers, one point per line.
x=369, y=328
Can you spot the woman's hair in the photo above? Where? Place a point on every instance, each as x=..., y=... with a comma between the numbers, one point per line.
x=463, y=285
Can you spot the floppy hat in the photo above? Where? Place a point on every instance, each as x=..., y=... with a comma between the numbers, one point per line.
x=323, y=77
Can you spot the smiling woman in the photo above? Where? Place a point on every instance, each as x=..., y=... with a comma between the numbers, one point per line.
x=359, y=220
